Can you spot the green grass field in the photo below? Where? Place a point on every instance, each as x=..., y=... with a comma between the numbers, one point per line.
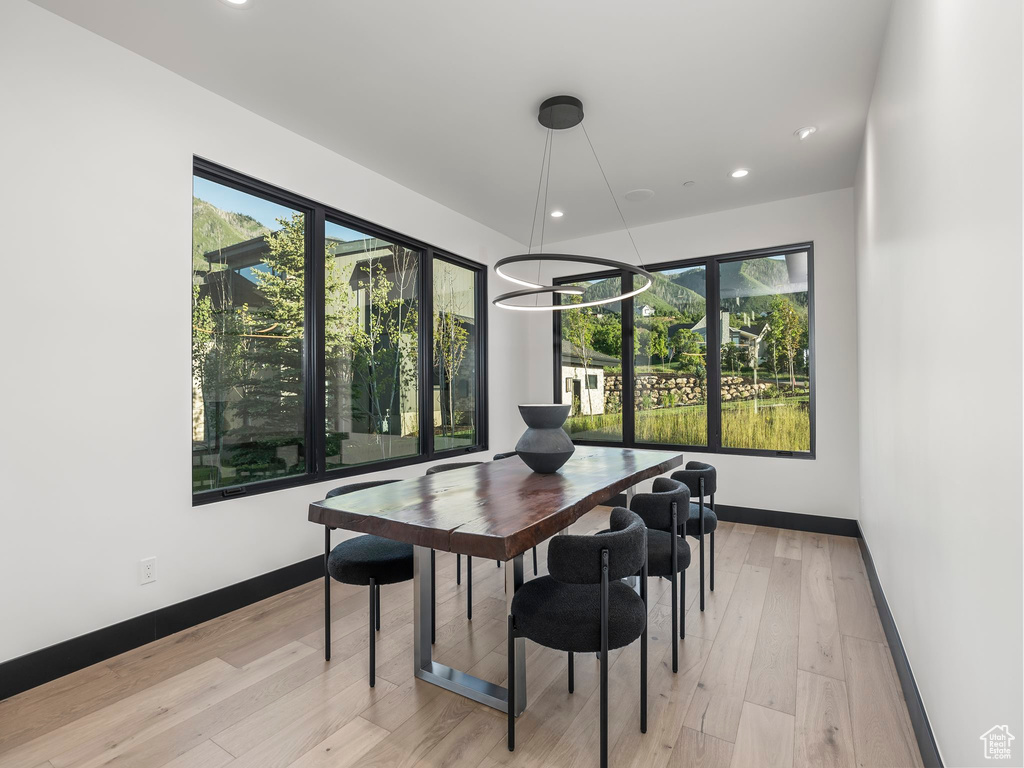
x=778, y=425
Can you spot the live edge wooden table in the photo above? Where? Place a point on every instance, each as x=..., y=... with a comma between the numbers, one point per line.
x=497, y=510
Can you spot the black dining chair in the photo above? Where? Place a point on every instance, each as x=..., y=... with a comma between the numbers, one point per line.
x=668, y=553
x=458, y=558
x=702, y=480
x=365, y=561
x=583, y=607
x=509, y=455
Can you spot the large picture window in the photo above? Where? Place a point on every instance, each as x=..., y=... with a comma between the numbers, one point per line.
x=716, y=356
x=311, y=343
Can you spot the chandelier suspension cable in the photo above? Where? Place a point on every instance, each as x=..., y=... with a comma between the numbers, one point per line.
x=544, y=209
x=604, y=176
x=540, y=184
x=545, y=162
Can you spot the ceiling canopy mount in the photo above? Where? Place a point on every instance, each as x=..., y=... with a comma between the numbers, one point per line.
x=560, y=112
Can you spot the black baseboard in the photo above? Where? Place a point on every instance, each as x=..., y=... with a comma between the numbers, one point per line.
x=791, y=521
x=48, y=664
x=915, y=706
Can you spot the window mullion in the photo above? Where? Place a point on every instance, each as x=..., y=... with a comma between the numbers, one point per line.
x=628, y=376
x=713, y=393
x=315, y=365
x=426, y=352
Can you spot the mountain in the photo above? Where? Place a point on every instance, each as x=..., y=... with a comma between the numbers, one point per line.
x=213, y=228
x=666, y=297
x=693, y=279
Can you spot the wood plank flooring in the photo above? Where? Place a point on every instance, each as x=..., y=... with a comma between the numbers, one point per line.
x=787, y=666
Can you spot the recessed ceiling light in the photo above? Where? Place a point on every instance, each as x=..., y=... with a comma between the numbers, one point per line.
x=689, y=183
x=739, y=173
x=240, y=4
x=557, y=214
x=639, y=195
x=803, y=133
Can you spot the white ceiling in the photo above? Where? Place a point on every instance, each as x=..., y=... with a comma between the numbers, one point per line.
x=441, y=95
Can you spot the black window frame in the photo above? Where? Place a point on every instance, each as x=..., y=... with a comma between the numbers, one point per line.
x=714, y=362
x=313, y=362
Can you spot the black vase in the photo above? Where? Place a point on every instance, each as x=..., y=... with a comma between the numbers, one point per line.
x=544, y=446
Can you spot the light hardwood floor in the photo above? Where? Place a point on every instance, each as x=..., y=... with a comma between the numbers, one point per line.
x=787, y=666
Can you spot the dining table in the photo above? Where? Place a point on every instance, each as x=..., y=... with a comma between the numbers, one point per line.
x=496, y=510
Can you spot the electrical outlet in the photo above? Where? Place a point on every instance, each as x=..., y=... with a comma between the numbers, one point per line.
x=147, y=570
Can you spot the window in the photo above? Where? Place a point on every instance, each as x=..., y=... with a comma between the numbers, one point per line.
x=248, y=336
x=310, y=336
x=456, y=339
x=371, y=352
x=590, y=362
x=749, y=390
x=670, y=360
x=765, y=353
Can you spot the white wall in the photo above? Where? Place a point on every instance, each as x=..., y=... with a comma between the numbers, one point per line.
x=939, y=284
x=826, y=485
x=95, y=193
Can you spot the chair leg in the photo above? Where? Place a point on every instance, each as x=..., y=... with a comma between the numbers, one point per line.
x=511, y=685
x=534, y=561
x=700, y=509
x=469, y=587
x=497, y=563
x=433, y=600
x=327, y=595
x=376, y=605
x=675, y=622
x=572, y=674
x=458, y=569
x=373, y=641
x=711, y=562
x=643, y=654
x=674, y=559
x=604, y=658
x=682, y=604
x=701, y=538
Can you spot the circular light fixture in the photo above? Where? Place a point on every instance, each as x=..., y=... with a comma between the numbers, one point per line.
x=803, y=133
x=689, y=183
x=639, y=195
x=739, y=173
x=536, y=289
x=558, y=114
x=240, y=5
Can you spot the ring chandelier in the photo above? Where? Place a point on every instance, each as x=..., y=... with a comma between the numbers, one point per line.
x=556, y=114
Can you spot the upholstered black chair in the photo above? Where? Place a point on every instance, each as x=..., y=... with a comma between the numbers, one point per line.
x=668, y=554
x=509, y=455
x=458, y=558
x=583, y=607
x=702, y=480
x=366, y=561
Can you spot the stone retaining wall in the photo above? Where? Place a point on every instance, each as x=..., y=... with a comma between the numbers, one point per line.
x=687, y=390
